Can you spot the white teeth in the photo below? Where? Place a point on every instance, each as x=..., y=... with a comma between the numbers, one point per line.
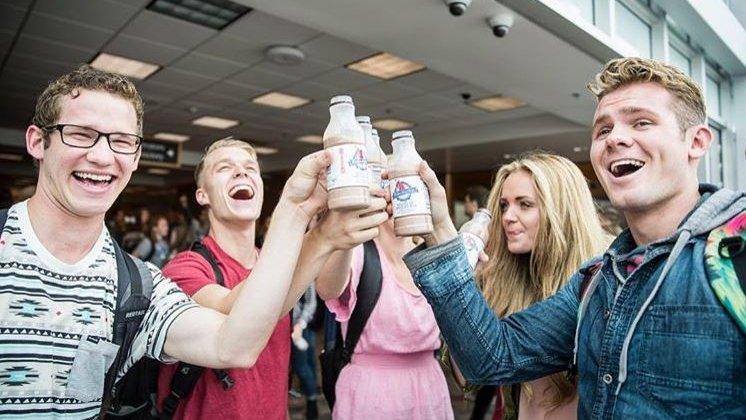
x=94, y=177
x=618, y=163
x=242, y=187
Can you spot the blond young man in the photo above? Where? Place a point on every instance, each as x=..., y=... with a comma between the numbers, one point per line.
x=652, y=339
x=58, y=275
x=230, y=187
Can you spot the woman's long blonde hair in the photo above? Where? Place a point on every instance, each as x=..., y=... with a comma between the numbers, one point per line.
x=569, y=233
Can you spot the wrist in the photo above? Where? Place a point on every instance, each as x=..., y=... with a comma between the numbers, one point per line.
x=441, y=234
x=291, y=212
x=320, y=246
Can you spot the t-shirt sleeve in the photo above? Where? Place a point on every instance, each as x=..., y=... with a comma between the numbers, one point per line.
x=343, y=306
x=167, y=302
x=190, y=271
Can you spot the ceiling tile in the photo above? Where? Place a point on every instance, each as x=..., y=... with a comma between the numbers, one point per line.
x=207, y=66
x=264, y=29
x=310, y=90
x=334, y=50
x=429, y=81
x=236, y=90
x=183, y=79
x=306, y=69
x=387, y=91
x=66, y=31
x=262, y=79
x=208, y=97
x=232, y=49
x=160, y=92
x=427, y=102
x=50, y=69
x=6, y=39
x=11, y=17
x=343, y=80
x=168, y=30
x=41, y=47
x=143, y=49
x=103, y=14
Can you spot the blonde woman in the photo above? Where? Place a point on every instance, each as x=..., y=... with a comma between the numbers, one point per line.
x=544, y=226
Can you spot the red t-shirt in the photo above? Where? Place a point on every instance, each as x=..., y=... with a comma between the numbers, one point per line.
x=260, y=392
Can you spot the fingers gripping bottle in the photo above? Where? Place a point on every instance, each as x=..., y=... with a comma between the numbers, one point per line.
x=347, y=177
x=372, y=151
x=474, y=234
x=409, y=196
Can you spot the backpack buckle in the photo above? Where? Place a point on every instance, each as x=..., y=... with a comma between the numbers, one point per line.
x=224, y=379
x=735, y=245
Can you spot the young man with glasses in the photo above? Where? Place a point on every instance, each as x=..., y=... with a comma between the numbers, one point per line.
x=58, y=271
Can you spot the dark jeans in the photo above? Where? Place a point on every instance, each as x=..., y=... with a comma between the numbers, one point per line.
x=304, y=364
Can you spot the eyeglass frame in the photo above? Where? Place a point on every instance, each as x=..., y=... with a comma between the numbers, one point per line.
x=60, y=127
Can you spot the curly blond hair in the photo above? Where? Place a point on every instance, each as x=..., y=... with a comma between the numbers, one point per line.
x=689, y=104
x=47, y=110
x=219, y=144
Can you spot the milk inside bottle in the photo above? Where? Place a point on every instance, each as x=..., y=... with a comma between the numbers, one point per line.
x=474, y=234
x=409, y=196
x=372, y=151
x=347, y=176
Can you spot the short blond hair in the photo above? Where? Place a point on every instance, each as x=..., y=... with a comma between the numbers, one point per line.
x=48, y=110
x=689, y=103
x=219, y=145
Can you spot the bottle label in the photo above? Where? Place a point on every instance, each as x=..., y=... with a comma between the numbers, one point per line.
x=474, y=245
x=349, y=167
x=409, y=196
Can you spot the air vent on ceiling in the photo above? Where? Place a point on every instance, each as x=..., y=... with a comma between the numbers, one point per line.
x=215, y=14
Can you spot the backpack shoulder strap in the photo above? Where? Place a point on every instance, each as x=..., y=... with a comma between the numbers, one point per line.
x=3, y=218
x=134, y=287
x=202, y=250
x=368, y=292
x=725, y=263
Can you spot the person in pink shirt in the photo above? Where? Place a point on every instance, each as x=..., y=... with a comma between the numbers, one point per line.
x=393, y=373
x=544, y=226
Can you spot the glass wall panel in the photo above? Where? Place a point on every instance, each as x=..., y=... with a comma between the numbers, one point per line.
x=584, y=8
x=632, y=29
x=712, y=96
x=680, y=60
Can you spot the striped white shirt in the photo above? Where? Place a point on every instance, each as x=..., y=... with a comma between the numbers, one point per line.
x=56, y=324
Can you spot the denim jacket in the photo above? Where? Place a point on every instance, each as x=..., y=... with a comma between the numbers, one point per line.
x=656, y=344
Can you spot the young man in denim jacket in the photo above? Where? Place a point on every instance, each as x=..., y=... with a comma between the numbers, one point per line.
x=652, y=340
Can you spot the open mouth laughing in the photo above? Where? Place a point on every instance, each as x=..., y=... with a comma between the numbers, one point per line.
x=623, y=167
x=93, y=179
x=241, y=192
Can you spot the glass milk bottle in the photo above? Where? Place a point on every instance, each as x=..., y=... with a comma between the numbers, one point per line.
x=409, y=196
x=474, y=234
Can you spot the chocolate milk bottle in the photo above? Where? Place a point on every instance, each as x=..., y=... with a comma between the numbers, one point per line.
x=409, y=196
x=474, y=234
x=347, y=176
x=383, y=183
x=372, y=151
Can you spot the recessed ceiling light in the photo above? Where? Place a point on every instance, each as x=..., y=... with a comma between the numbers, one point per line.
x=215, y=14
x=385, y=66
x=391, y=124
x=311, y=138
x=158, y=171
x=578, y=149
x=280, y=100
x=180, y=138
x=11, y=156
x=508, y=156
x=215, y=122
x=496, y=103
x=263, y=150
x=124, y=66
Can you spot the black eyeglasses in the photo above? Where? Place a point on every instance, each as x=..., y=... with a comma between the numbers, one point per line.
x=85, y=138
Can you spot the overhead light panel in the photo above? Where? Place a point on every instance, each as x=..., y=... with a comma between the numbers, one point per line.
x=125, y=66
x=385, y=66
x=311, y=138
x=496, y=103
x=215, y=14
x=215, y=122
x=11, y=156
x=158, y=171
x=263, y=150
x=179, y=138
x=280, y=100
x=391, y=124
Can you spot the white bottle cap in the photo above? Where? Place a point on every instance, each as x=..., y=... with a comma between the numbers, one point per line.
x=363, y=119
x=340, y=99
x=401, y=134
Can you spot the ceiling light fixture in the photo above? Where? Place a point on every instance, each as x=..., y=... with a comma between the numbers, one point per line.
x=215, y=122
x=215, y=14
x=179, y=138
x=158, y=171
x=263, y=150
x=125, y=66
x=391, y=124
x=280, y=100
x=385, y=66
x=311, y=138
x=496, y=103
x=11, y=156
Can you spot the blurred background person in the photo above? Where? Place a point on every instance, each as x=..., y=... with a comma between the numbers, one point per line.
x=475, y=199
x=154, y=248
x=303, y=350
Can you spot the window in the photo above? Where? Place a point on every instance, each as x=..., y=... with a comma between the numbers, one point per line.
x=712, y=96
x=633, y=29
x=584, y=8
x=711, y=166
x=680, y=60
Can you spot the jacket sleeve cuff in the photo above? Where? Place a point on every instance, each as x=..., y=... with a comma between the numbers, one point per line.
x=441, y=269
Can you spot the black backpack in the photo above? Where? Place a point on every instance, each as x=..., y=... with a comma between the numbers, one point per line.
x=186, y=375
x=337, y=352
x=131, y=398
